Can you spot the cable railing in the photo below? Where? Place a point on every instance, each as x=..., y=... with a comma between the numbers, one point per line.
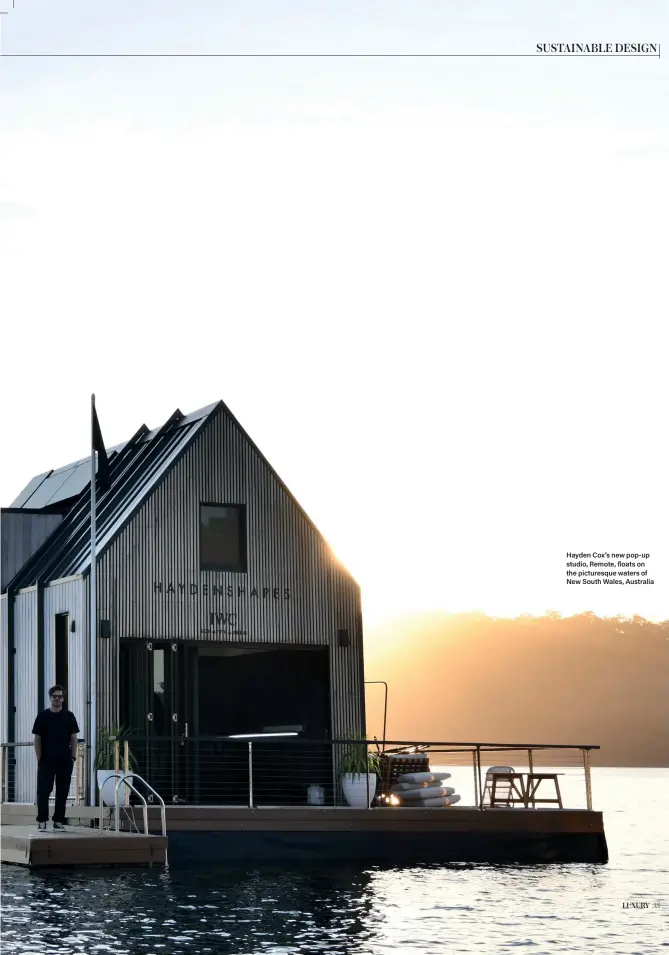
x=19, y=774
x=259, y=771
x=263, y=772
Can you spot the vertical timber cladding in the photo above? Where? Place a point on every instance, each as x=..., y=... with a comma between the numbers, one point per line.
x=294, y=592
x=25, y=690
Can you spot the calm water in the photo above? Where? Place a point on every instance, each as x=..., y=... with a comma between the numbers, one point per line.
x=456, y=908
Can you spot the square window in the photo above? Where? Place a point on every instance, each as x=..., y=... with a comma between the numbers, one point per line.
x=223, y=537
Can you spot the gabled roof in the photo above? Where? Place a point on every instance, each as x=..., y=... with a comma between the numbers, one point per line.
x=136, y=468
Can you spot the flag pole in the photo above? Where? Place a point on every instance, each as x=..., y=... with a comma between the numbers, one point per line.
x=93, y=625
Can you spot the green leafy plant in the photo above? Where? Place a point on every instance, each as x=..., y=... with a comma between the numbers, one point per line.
x=356, y=759
x=106, y=745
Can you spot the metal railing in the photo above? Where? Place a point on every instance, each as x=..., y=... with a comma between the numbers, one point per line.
x=128, y=780
x=19, y=776
x=264, y=772
x=260, y=771
x=120, y=777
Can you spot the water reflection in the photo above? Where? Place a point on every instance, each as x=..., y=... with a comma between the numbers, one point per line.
x=190, y=910
x=334, y=910
x=377, y=910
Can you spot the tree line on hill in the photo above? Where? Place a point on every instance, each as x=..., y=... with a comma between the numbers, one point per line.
x=581, y=679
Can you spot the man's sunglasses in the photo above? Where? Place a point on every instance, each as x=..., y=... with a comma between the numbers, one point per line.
x=57, y=696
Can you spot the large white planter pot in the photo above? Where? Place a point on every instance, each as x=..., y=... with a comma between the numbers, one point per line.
x=108, y=783
x=359, y=789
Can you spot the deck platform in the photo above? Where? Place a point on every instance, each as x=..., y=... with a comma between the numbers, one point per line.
x=396, y=835
x=228, y=834
x=78, y=846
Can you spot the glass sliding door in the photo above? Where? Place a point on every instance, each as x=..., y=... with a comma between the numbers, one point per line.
x=153, y=702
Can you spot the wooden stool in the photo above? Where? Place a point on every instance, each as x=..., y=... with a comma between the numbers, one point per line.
x=534, y=780
x=513, y=789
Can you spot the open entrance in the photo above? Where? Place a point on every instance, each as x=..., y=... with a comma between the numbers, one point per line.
x=186, y=703
x=256, y=690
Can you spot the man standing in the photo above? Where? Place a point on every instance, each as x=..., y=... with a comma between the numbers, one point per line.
x=55, y=733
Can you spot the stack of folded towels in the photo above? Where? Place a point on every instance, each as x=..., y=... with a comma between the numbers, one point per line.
x=424, y=790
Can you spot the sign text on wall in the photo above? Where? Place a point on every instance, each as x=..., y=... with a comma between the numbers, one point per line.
x=169, y=589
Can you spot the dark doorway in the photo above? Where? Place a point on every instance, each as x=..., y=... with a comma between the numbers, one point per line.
x=253, y=690
x=62, y=648
x=154, y=697
x=182, y=703
x=248, y=691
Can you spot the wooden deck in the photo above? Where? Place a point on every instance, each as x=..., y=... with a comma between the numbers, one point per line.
x=219, y=834
x=388, y=836
x=78, y=846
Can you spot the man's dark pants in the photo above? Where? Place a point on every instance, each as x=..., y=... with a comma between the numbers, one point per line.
x=47, y=771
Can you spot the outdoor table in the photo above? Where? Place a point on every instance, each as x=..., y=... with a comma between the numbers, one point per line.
x=534, y=780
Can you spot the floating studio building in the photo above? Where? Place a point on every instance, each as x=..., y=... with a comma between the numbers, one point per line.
x=221, y=609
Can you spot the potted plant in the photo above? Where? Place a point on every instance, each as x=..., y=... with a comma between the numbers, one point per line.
x=359, y=772
x=105, y=761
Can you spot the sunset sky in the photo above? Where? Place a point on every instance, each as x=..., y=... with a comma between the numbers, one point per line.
x=432, y=289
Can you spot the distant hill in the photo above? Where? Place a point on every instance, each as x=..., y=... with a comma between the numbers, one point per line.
x=580, y=679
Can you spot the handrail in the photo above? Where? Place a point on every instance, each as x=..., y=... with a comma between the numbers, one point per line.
x=7, y=745
x=371, y=742
x=121, y=777
x=301, y=740
x=163, y=811
x=79, y=763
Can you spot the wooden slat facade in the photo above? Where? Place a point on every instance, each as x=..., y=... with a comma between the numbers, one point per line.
x=294, y=592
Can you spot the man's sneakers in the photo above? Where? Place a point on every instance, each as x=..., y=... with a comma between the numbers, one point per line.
x=41, y=826
x=58, y=826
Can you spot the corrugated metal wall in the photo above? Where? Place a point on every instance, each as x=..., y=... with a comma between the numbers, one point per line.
x=21, y=535
x=3, y=668
x=150, y=584
x=68, y=596
x=25, y=689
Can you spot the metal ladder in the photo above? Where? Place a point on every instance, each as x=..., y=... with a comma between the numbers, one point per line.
x=123, y=778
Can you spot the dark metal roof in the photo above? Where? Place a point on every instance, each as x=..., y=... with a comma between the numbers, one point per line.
x=29, y=490
x=135, y=470
x=63, y=484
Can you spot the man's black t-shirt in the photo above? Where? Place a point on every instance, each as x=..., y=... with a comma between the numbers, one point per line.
x=55, y=730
